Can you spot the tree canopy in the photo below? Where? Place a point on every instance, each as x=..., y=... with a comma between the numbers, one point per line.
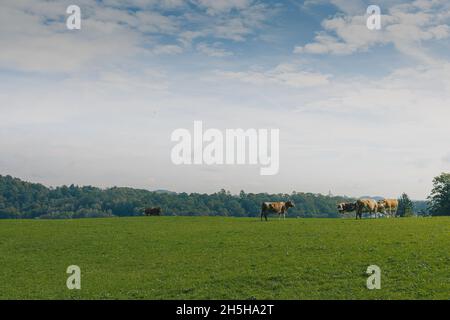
x=20, y=199
x=405, y=206
x=440, y=196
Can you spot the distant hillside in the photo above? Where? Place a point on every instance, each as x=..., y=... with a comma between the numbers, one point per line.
x=376, y=198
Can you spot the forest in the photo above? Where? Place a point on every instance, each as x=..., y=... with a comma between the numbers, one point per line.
x=20, y=199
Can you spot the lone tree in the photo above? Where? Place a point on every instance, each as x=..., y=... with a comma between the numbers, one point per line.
x=405, y=206
x=440, y=196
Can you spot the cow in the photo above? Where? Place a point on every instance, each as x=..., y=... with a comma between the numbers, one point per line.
x=344, y=207
x=365, y=205
x=390, y=205
x=275, y=207
x=152, y=211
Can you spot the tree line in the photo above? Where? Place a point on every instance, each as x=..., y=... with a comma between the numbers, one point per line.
x=20, y=199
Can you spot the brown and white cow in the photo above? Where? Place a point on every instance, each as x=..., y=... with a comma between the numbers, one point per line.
x=388, y=205
x=344, y=207
x=365, y=205
x=275, y=207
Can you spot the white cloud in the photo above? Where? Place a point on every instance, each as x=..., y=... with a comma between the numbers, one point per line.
x=187, y=37
x=37, y=38
x=325, y=44
x=284, y=74
x=168, y=49
x=245, y=22
x=415, y=93
x=406, y=26
x=145, y=4
x=149, y=21
x=213, y=50
x=120, y=80
x=346, y=6
x=34, y=44
x=221, y=6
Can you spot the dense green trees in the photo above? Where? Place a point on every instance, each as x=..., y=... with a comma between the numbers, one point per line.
x=405, y=206
x=440, y=196
x=19, y=199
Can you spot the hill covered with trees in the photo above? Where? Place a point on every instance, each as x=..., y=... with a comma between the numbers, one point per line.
x=20, y=199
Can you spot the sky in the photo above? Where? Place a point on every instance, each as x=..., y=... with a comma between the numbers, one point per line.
x=360, y=112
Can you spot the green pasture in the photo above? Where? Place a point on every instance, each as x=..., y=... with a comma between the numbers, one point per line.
x=225, y=258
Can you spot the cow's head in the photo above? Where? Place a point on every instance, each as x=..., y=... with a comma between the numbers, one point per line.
x=290, y=204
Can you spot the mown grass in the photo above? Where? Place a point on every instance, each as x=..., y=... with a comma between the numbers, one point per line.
x=225, y=258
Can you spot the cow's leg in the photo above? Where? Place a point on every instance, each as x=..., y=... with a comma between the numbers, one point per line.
x=262, y=214
x=358, y=214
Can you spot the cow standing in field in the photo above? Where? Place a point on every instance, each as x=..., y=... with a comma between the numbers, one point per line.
x=344, y=207
x=365, y=205
x=152, y=211
x=275, y=207
x=390, y=205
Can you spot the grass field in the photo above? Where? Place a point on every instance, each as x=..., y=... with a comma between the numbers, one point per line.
x=225, y=258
